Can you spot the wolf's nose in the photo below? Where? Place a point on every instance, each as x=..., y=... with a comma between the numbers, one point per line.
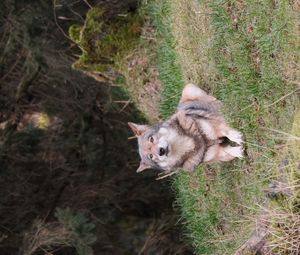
x=162, y=151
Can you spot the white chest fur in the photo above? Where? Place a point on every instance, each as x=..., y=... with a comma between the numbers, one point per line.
x=177, y=145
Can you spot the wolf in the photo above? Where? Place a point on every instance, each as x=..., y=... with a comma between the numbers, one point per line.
x=196, y=133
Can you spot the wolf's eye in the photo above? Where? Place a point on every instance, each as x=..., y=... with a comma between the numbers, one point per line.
x=150, y=156
x=151, y=139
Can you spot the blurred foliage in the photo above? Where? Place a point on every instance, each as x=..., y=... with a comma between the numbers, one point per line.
x=81, y=229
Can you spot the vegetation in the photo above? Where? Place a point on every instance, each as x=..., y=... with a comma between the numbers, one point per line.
x=81, y=230
x=103, y=41
x=246, y=53
x=69, y=185
x=284, y=217
x=73, y=229
x=251, y=51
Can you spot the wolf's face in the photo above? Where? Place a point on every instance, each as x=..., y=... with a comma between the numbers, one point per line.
x=160, y=146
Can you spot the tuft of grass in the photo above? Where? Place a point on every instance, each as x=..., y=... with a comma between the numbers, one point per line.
x=45, y=236
x=103, y=42
x=73, y=229
x=284, y=232
x=284, y=219
x=246, y=45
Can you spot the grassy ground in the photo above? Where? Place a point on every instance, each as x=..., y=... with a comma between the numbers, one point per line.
x=247, y=54
x=284, y=214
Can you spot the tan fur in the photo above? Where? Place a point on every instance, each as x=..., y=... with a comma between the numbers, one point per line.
x=213, y=128
x=194, y=134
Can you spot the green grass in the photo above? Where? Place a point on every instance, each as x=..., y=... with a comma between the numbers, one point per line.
x=250, y=44
x=102, y=45
x=247, y=54
x=169, y=70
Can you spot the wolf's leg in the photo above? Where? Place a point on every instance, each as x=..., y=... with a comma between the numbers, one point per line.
x=190, y=165
x=192, y=92
x=221, y=153
x=212, y=153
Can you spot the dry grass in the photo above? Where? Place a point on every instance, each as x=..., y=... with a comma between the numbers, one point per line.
x=288, y=162
x=284, y=232
x=44, y=236
x=145, y=87
x=284, y=216
x=193, y=32
x=141, y=74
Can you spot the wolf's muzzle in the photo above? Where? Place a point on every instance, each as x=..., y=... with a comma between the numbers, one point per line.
x=163, y=151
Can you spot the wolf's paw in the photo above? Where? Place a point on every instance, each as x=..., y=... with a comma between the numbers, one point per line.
x=237, y=151
x=235, y=136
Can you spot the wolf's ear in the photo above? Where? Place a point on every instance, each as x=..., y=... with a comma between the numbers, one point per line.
x=137, y=129
x=142, y=167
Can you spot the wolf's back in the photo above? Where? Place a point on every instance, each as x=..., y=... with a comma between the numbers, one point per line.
x=198, y=109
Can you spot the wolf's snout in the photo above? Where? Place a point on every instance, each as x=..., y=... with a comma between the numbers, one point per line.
x=162, y=151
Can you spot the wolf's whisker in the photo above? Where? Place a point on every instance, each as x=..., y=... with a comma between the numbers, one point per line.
x=167, y=175
x=131, y=137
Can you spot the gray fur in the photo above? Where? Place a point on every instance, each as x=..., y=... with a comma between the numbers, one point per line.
x=192, y=135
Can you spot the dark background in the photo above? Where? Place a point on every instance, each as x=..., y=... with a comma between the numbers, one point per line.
x=83, y=162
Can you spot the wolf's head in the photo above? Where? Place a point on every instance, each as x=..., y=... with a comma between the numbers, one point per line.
x=160, y=146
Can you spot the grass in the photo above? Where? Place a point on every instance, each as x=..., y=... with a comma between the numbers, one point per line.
x=73, y=229
x=121, y=51
x=285, y=220
x=169, y=70
x=139, y=70
x=247, y=48
x=102, y=44
x=247, y=54
x=192, y=28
